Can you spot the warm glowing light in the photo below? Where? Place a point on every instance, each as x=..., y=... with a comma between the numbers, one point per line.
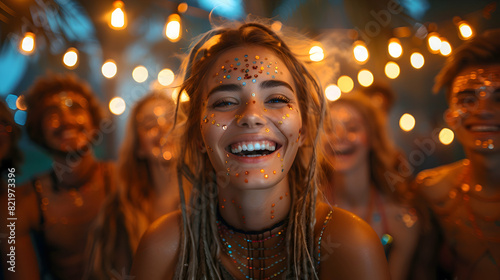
x=395, y=49
x=184, y=95
x=20, y=103
x=109, y=69
x=466, y=31
x=365, y=78
x=407, y=122
x=446, y=136
x=345, y=83
x=117, y=106
x=276, y=26
x=173, y=28
x=140, y=74
x=166, y=77
x=445, y=48
x=70, y=58
x=392, y=70
x=360, y=52
x=182, y=8
x=316, y=53
x=27, y=45
x=118, y=18
x=417, y=60
x=434, y=42
x=332, y=92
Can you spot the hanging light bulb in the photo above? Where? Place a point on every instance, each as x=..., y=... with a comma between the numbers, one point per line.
x=118, y=18
x=434, y=42
x=465, y=30
x=360, y=52
x=395, y=49
x=173, y=28
x=70, y=58
x=27, y=45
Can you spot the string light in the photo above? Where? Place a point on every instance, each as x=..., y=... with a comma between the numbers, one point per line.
x=27, y=45
x=109, y=69
x=118, y=19
x=360, y=52
x=70, y=58
x=417, y=60
x=394, y=48
x=407, y=122
x=445, y=48
x=166, y=77
x=434, y=42
x=446, y=136
x=465, y=30
x=345, y=83
x=316, y=53
x=173, y=28
x=332, y=92
x=140, y=74
x=117, y=106
x=392, y=70
x=365, y=78
x=184, y=95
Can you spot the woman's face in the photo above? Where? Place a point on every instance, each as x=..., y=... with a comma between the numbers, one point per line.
x=67, y=123
x=346, y=142
x=154, y=123
x=250, y=122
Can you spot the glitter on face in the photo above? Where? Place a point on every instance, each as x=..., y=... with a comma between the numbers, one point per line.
x=224, y=127
x=262, y=171
x=266, y=176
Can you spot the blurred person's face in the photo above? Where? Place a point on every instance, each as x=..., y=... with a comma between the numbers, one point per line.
x=154, y=123
x=67, y=123
x=474, y=111
x=346, y=141
x=251, y=122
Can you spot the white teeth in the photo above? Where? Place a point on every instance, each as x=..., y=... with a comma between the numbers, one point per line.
x=484, y=128
x=253, y=146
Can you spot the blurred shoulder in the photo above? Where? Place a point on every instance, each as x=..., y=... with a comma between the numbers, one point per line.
x=158, y=251
x=436, y=183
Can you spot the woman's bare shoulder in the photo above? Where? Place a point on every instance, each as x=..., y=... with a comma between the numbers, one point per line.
x=158, y=251
x=350, y=248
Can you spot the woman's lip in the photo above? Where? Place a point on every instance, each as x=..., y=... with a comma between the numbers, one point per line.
x=251, y=160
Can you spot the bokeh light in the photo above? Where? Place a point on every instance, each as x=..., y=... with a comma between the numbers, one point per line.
x=446, y=136
x=417, y=60
x=166, y=77
x=70, y=58
x=316, y=53
x=109, y=69
x=392, y=70
x=332, y=92
x=365, y=78
x=407, y=122
x=360, y=52
x=394, y=48
x=140, y=74
x=345, y=83
x=117, y=106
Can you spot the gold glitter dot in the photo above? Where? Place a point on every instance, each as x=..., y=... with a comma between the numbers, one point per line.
x=272, y=211
x=267, y=129
x=246, y=172
x=224, y=199
x=213, y=121
x=227, y=155
x=246, y=180
x=280, y=122
x=237, y=174
x=266, y=176
x=281, y=197
x=272, y=205
x=287, y=115
x=262, y=171
x=286, y=194
x=274, y=171
x=226, y=161
x=222, y=206
x=279, y=154
x=212, y=115
x=218, y=124
x=228, y=169
x=224, y=127
x=283, y=117
x=257, y=57
x=272, y=217
x=265, y=110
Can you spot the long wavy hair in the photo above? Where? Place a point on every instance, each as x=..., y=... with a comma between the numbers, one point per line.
x=200, y=245
x=383, y=157
x=128, y=212
x=14, y=156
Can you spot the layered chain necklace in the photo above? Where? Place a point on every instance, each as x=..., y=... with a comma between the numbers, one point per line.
x=256, y=254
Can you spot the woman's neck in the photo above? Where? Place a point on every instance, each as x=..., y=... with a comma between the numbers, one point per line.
x=255, y=209
x=352, y=187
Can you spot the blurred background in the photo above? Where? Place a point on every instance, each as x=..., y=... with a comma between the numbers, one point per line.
x=124, y=49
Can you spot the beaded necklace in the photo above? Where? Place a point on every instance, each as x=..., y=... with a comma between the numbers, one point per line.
x=263, y=256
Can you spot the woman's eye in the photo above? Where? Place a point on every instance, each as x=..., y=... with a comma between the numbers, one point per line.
x=223, y=103
x=279, y=99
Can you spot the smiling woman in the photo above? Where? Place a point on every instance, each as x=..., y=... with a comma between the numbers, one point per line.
x=249, y=150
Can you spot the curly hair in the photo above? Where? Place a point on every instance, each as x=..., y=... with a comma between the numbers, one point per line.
x=484, y=49
x=50, y=85
x=200, y=244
